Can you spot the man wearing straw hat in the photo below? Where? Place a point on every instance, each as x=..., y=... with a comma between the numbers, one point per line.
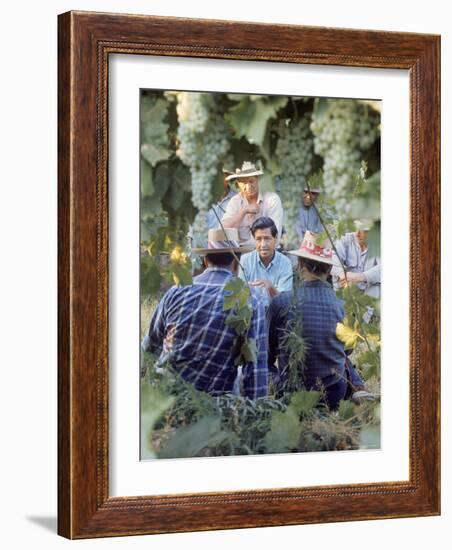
x=250, y=204
x=325, y=366
x=361, y=269
x=189, y=327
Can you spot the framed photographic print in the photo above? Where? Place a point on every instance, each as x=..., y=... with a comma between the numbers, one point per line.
x=248, y=275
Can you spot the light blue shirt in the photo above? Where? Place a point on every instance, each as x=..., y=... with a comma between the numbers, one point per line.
x=278, y=271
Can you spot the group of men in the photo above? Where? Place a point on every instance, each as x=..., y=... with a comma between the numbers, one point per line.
x=189, y=330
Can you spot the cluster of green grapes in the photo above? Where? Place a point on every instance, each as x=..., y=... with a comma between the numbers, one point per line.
x=342, y=132
x=295, y=154
x=203, y=143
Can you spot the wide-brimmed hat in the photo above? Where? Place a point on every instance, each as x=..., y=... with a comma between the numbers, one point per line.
x=363, y=225
x=247, y=170
x=221, y=241
x=316, y=190
x=311, y=250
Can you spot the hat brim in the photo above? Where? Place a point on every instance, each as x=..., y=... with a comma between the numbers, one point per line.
x=236, y=250
x=301, y=254
x=316, y=191
x=238, y=176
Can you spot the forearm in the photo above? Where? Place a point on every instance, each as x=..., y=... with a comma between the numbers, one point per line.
x=233, y=220
x=372, y=276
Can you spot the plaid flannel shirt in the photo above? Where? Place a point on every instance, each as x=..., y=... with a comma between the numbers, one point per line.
x=188, y=329
x=320, y=312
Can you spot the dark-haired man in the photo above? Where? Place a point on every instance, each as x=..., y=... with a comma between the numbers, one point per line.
x=265, y=267
x=325, y=366
x=308, y=219
x=189, y=330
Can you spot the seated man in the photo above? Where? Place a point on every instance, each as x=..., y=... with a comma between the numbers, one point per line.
x=362, y=270
x=189, y=328
x=265, y=267
x=308, y=219
x=325, y=366
x=249, y=204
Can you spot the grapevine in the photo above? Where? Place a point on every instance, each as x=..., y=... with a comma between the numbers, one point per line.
x=203, y=146
x=295, y=156
x=343, y=131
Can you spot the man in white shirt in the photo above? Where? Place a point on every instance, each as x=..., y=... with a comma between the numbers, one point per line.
x=250, y=204
x=362, y=270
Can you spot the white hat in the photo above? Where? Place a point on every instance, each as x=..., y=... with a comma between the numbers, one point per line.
x=248, y=169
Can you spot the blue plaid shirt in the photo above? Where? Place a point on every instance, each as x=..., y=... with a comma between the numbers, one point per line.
x=320, y=312
x=188, y=329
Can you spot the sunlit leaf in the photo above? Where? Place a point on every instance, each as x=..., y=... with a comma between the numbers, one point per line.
x=348, y=335
x=181, y=275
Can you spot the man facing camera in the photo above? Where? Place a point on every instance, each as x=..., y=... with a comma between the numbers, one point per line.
x=265, y=267
x=250, y=204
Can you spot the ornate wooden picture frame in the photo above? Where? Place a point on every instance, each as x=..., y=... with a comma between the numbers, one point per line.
x=86, y=40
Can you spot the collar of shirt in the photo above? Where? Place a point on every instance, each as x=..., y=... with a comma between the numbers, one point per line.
x=260, y=198
x=272, y=261
x=218, y=270
x=359, y=246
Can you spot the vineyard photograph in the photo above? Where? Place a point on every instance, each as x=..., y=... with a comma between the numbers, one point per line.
x=260, y=283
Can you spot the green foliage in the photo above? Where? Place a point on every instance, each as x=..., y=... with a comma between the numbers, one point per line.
x=197, y=424
x=150, y=275
x=285, y=431
x=346, y=409
x=154, y=130
x=305, y=401
x=249, y=117
x=188, y=441
x=236, y=301
x=153, y=404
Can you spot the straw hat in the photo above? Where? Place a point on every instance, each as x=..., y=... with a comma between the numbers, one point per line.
x=363, y=225
x=220, y=242
x=310, y=250
x=248, y=169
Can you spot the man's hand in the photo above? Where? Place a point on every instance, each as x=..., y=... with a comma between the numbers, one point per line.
x=351, y=278
x=251, y=209
x=263, y=283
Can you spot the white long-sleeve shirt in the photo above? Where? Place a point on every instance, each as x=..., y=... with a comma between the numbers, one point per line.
x=357, y=260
